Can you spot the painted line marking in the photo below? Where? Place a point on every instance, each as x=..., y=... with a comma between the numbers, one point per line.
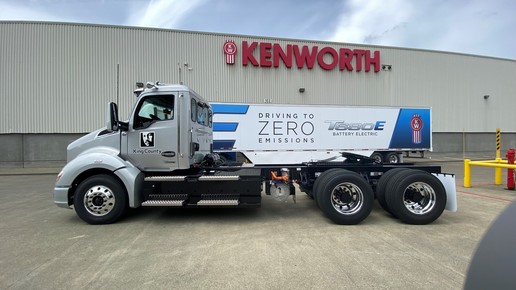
x=485, y=196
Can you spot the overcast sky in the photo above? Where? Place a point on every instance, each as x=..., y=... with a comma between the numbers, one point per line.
x=482, y=27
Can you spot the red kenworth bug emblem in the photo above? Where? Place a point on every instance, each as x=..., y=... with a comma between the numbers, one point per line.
x=416, y=124
x=230, y=49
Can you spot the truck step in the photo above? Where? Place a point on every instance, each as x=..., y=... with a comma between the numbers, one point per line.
x=219, y=177
x=217, y=202
x=201, y=178
x=219, y=199
x=163, y=203
x=165, y=178
x=165, y=200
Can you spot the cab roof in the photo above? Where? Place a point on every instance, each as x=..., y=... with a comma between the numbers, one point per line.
x=161, y=87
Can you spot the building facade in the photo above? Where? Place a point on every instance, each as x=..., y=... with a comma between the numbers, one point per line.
x=57, y=78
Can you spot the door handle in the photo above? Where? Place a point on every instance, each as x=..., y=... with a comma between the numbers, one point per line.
x=168, y=154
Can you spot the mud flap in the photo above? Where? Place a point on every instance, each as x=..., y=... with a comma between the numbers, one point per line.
x=448, y=181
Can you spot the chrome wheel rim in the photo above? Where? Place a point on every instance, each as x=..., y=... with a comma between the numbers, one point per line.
x=377, y=158
x=99, y=200
x=393, y=159
x=419, y=198
x=347, y=198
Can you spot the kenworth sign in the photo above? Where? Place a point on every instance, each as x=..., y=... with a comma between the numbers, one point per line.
x=265, y=54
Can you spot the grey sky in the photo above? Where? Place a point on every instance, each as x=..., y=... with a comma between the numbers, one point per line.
x=467, y=26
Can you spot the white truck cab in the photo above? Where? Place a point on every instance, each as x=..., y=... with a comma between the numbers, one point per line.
x=164, y=114
x=169, y=129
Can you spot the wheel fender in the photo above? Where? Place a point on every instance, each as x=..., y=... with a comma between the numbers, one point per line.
x=448, y=181
x=107, y=159
x=132, y=178
x=93, y=160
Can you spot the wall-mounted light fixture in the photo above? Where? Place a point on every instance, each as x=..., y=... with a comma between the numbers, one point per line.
x=486, y=97
x=301, y=90
x=386, y=67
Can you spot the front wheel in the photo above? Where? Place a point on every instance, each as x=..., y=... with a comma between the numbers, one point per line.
x=100, y=199
x=346, y=198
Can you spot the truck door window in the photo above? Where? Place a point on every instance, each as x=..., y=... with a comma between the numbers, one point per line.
x=210, y=118
x=203, y=115
x=193, y=105
x=200, y=114
x=152, y=109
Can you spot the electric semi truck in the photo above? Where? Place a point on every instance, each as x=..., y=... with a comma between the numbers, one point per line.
x=162, y=156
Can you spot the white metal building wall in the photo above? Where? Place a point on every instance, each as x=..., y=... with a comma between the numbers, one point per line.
x=58, y=77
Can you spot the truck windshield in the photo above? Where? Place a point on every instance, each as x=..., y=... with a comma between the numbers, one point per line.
x=154, y=108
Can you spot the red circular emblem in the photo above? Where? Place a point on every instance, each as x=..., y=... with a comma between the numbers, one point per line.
x=230, y=48
x=416, y=123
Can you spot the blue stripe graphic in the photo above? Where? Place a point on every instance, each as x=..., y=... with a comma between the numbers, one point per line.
x=223, y=144
x=229, y=109
x=224, y=127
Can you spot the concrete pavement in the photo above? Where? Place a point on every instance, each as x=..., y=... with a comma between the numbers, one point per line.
x=280, y=246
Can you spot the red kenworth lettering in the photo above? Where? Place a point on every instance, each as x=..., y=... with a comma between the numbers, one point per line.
x=305, y=56
x=328, y=58
x=279, y=53
x=247, y=53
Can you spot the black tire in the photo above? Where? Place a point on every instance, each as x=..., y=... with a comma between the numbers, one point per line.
x=381, y=187
x=377, y=156
x=392, y=157
x=416, y=197
x=100, y=199
x=320, y=180
x=346, y=197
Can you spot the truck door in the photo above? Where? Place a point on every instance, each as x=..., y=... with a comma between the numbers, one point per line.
x=152, y=136
x=201, y=133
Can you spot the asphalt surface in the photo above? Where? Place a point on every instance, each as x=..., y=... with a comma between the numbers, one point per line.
x=280, y=246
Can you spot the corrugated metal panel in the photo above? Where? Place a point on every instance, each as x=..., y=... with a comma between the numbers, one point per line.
x=58, y=78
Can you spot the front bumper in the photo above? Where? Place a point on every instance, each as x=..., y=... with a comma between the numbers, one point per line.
x=61, y=196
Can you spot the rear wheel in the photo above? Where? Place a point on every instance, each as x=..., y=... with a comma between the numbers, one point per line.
x=392, y=157
x=345, y=197
x=100, y=199
x=416, y=197
x=381, y=187
x=377, y=156
x=320, y=180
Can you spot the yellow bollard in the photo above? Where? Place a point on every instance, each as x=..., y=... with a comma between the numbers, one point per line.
x=467, y=173
x=498, y=172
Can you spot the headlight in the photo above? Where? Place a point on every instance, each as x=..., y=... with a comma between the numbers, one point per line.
x=59, y=175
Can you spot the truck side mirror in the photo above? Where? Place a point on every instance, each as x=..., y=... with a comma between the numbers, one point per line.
x=112, y=117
